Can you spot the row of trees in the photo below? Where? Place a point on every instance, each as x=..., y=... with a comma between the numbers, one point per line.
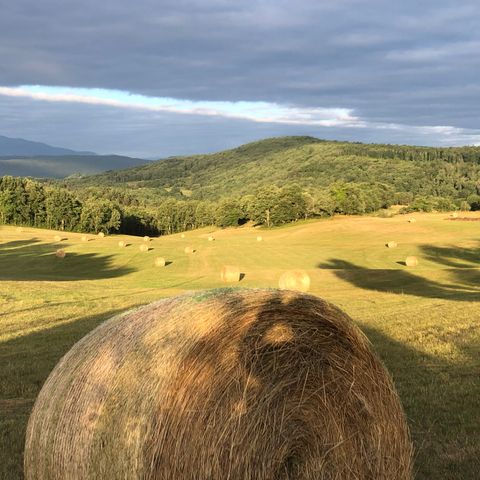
x=27, y=202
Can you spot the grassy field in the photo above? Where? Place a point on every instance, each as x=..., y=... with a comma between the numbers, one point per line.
x=423, y=321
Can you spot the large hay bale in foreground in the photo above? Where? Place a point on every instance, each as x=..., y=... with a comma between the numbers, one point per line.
x=160, y=262
x=230, y=273
x=411, y=261
x=294, y=280
x=188, y=250
x=144, y=248
x=392, y=244
x=238, y=384
x=60, y=253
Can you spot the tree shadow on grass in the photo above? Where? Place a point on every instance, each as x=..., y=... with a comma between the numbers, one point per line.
x=32, y=260
x=464, y=269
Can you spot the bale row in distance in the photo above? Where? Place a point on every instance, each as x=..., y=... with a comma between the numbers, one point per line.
x=244, y=384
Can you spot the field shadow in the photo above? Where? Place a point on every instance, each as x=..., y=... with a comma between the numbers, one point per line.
x=463, y=266
x=32, y=260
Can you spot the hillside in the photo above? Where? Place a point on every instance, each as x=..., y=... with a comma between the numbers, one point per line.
x=21, y=147
x=306, y=161
x=61, y=166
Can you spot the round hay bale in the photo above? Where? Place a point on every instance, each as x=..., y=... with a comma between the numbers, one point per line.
x=182, y=235
x=144, y=248
x=261, y=384
x=60, y=253
x=392, y=244
x=211, y=239
x=230, y=273
x=188, y=250
x=259, y=238
x=160, y=262
x=57, y=238
x=84, y=238
x=454, y=215
x=146, y=238
x=101, y=234
x=411, y=261
x=121, y=244
x=411, y=220
x=295, y=280
x=19, y=230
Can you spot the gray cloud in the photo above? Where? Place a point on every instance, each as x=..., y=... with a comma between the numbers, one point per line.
x=409, y=63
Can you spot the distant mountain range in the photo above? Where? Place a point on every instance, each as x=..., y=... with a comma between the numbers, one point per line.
x=23, y=158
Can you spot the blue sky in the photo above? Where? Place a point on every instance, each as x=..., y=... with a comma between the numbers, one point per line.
x=159, y=78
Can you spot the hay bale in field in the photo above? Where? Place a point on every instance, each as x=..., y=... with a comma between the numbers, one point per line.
x=182, y=235
x=392, y=244
x=295, y=280
x=411, y=261
x=230, y=273
x=412, y=220
x=60, y=253
x=211, y=239
x=188, y=250
x=101, y=234
x=146, y=238
x=84, y=238
x=259, y=238
x=244, y=384
x=19, y=230
x=160, y=262
x=121, y=244
x=57, y=238
x=454, y=215
x=144, y=248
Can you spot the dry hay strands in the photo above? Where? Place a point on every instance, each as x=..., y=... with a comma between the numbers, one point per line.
x=294, y=280
x=146, y=238
x=60, y=253
x=189, y=250
x=411, y=261
x=262, y=384
x=230, y=274
x=392, y=244
x=160, y=262
x=100, y=234
x=122, y=244
x=144, y=248
x=259, y=238
x=211, y=238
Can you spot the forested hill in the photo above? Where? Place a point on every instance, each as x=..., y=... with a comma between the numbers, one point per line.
x=308, y=162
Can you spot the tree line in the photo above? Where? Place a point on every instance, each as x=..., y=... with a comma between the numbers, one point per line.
x=24, y=201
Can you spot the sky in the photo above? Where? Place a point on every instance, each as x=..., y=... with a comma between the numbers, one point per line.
x=155, y=78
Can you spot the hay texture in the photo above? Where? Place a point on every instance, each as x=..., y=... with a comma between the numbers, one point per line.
x=294, y=280
x=121, y=244
x=60, y=253
x=230, y=273
x=188, y=250
x=392, y=244
x=144, y=248
x=101, y=234
x=160, y=262
x=225, y=384
x=259, y=238
x=411, y=261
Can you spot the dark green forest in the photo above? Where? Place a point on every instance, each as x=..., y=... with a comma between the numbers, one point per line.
x=270, y=182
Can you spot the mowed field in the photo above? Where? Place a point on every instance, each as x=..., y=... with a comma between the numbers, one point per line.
x=423, y=321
